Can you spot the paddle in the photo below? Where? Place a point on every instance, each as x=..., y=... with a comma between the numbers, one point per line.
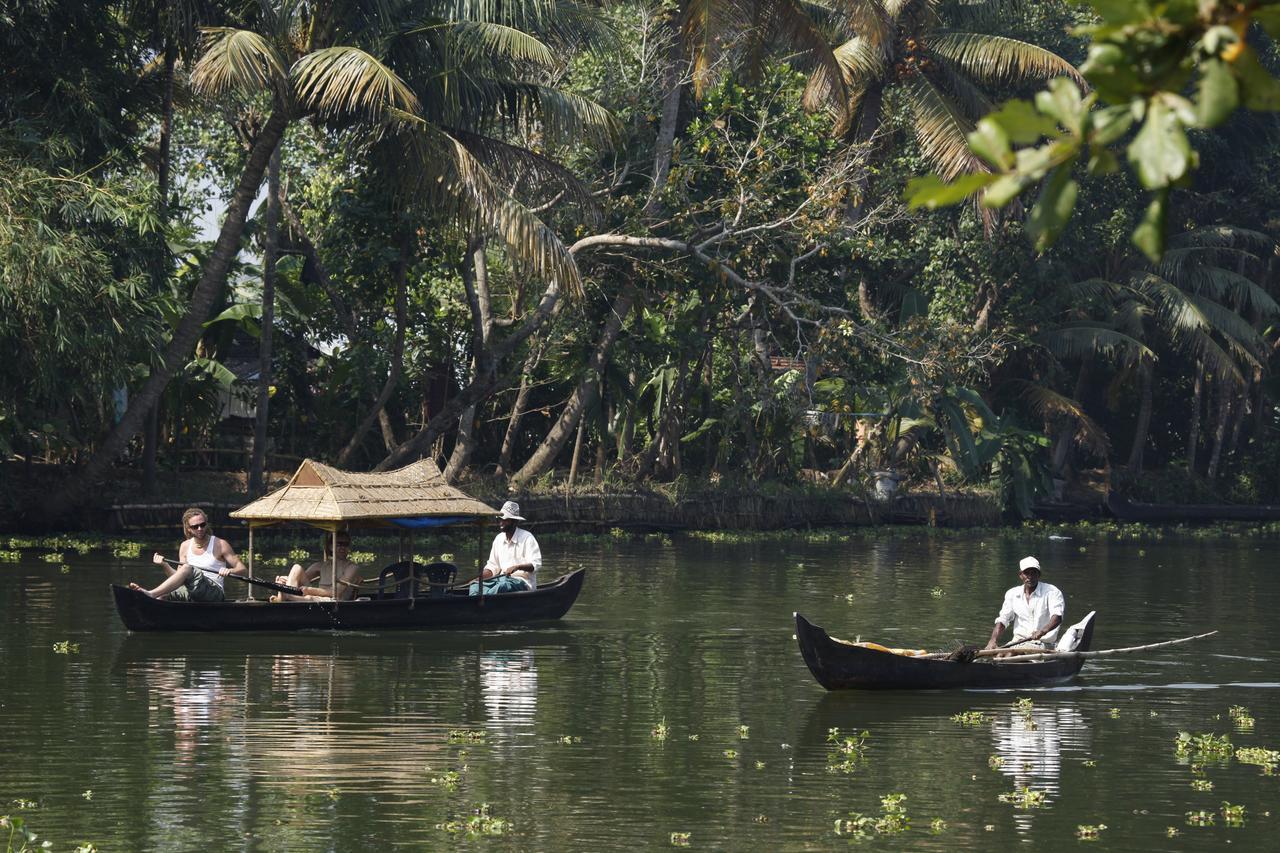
x=1024, y=655
x=278, y=587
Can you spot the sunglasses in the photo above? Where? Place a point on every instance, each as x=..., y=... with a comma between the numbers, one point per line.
x=201, y=526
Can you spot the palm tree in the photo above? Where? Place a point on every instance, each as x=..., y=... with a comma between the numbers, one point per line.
x=338, y=64
x=910, y=48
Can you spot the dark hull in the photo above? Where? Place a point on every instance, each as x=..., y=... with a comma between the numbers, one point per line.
x=838, y=666
x=1126, y=510
x=549, y=601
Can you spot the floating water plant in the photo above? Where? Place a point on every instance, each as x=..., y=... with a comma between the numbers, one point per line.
x=1024, y=798
x=731, y=753
x=1090, y=832
x=88, y=795
x=1267, y=759
x=759, y=765
x=1023, y=706
x=760, y=818
x=1114, y=713
x=1200, y=818
x=20, y=838
x=846, y=751
x=467, y=736
x=66, y=647
x=694, y=737
x=892, y=820
x=449, y=779
x=937, y=592
x=1172, y=831
x=9, y=556
x=742, y=732
x=1232, y=815
x=660, y=731
x=64, y=569
x=937, y=826
x=969, y=718
x=1241, y=717
x=479, y=823
x=362, y=556
x=570, y=739
x=1201, y=785
x=1202, y=746
x=681, y=839
x=299, y=554
x=995, y=762
x=55, y=557
x=126, y=550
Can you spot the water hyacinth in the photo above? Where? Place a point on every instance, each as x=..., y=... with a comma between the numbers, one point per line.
x=1267, y=759
x=480, y=822
x=1202, y=747
x=1090, y=832
x=1024, y=798
x=969, y=718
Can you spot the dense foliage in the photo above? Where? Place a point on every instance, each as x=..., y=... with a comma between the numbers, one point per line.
x=544, y=240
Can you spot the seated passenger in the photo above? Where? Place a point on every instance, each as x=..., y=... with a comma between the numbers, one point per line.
x=316, y=580
x=514, y=558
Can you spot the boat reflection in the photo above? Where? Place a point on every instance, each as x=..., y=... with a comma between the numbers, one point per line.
x=509, y=685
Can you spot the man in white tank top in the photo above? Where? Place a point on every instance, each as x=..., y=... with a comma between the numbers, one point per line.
x=204, y=561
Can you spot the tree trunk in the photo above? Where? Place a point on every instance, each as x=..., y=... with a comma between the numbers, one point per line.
x=270, y=252
x=212, y=279
x=378, y=412
x=517, y=411
x=1143, y=425
x=1197, y=403
x=160, y=270
x=1225, y=405
x=577, y=452
x=477, y=282
x=583, y=397
x=664, y=145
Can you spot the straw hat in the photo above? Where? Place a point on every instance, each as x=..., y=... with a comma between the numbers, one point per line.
x=511, y=510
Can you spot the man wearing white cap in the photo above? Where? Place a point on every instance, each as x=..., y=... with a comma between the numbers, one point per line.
x=1034, y=610
x=514, y=558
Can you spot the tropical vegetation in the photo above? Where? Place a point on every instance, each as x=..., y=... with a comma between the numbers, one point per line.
x=550, y=242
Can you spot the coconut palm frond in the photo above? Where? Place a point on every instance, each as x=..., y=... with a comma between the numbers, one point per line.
x=464, y=179
x=1051, y=405
x=1001, y=60
x=499, y=41
x=514, y=166
x=1224, y=236
x=972, y=100
x=1216, y=359
x=860, y=60
x=1238, y=331
x=239, y=61
x=1176, y=260
x=787, y=22
x=344, y=80
x=1130, y=317
x=563, y=116
x=1084, y=340
x=1089, y=289
x=941, y=129
x=1229, y=287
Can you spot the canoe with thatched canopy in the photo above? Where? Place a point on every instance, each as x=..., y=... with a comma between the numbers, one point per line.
x=412, y=498
x=841, y=665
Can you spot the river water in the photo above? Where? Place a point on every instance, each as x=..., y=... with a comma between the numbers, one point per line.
x=670, y=707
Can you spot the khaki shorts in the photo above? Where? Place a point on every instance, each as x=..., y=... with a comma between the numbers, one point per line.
x=199, y=589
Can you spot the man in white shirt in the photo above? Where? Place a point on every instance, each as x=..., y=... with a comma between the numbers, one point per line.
x=1034, y=610
x=514, y=558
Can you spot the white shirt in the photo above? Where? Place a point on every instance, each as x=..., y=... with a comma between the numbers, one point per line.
x=522, y=548
x=1026, y=617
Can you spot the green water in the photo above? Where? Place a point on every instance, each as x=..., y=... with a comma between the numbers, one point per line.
x=342, y=741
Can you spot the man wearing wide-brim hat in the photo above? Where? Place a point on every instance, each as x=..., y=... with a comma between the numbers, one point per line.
x=1034, y=610
x=514, y=559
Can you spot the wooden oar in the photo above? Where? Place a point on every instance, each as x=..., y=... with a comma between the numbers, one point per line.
x=278, y=587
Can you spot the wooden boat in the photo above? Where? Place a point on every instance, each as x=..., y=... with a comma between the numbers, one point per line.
x=1127, y=510
x=840, y=665
x=452, y=609
x=406, y=594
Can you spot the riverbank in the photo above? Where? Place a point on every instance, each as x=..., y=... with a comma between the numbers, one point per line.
x=666, y=507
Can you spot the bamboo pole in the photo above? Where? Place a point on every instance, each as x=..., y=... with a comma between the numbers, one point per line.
x=1099, y=653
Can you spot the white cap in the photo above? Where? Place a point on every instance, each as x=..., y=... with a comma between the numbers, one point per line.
x=1028, y=563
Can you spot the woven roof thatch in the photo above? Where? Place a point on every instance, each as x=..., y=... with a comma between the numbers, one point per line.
x=324, y=496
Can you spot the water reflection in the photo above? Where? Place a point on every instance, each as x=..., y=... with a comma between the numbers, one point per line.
x=1031, y=742
x=509, y=684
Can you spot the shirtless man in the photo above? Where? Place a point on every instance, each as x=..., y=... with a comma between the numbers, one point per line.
x=316, y=580
x=204, y=561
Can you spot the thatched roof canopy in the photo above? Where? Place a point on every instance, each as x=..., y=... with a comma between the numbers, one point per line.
x=323, y=496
